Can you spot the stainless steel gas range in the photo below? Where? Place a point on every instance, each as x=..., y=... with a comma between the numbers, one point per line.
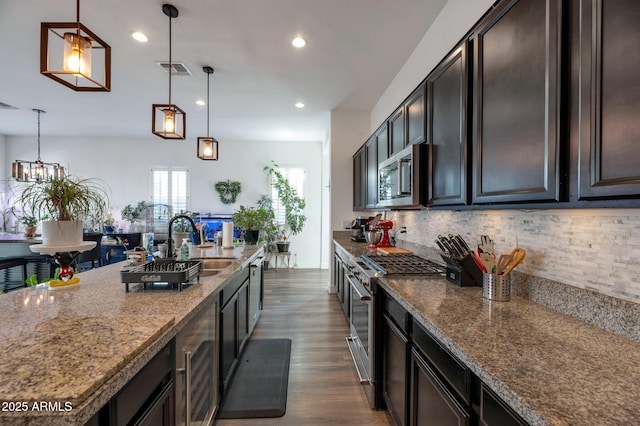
x=362, y=277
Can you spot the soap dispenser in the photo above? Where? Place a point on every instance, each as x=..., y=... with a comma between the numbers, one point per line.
x=184, y=249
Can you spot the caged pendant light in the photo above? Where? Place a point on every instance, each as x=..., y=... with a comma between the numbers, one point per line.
x=168, y=120
x=74, y=56
x=207, y=146
x=36, y=171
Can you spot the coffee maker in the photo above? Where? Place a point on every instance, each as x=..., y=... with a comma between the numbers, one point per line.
x=358, y=226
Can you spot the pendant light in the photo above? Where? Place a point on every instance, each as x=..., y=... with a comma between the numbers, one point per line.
x=36, y=171
x=74, y=56
x=207, y=146
x=168, y=120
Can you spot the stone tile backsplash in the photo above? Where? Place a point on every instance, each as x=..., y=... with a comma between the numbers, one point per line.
x=593, y=249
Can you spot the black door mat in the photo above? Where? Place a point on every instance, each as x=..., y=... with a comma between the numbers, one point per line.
x=259, y=386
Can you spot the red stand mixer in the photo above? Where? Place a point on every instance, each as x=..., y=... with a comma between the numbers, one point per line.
x=380, y=225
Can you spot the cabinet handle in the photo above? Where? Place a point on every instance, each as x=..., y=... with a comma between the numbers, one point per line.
x=363, y=298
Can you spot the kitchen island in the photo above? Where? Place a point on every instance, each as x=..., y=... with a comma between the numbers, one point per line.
x=550, y=368
x=67, y=351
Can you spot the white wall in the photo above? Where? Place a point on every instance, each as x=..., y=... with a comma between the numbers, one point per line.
x=125, y=165
x=349, y=130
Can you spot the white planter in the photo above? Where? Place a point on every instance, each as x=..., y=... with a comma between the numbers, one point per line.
x=62, y=233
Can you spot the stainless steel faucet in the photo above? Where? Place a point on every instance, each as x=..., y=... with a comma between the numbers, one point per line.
x=169, y=240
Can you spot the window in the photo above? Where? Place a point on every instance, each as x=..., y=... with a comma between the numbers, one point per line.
x=295, y=176
x=170, y=188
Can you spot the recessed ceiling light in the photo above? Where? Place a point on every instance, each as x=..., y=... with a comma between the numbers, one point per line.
x=200, y=102
x=299, y=105
x=299, y=42
x=141, y=37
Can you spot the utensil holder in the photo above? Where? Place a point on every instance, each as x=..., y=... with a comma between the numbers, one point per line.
x=496, y=287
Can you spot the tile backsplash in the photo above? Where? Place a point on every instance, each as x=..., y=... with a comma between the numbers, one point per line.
x=593, y=249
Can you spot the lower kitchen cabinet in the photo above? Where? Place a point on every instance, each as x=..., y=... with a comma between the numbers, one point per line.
x=256, y=284
x=494, y=412
x=340, y=283
x=234, y=324
x=395, y=355
x=431, y=402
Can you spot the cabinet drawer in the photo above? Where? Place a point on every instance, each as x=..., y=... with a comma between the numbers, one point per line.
x=138, y=394
x=456, y=374
x=494, y=412
x=399, y=315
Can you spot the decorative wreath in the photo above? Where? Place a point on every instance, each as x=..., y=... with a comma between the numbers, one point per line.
x=228, y=191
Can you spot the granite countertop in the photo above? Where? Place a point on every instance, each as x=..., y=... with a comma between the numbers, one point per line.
x=78, y=346
x=552, y=369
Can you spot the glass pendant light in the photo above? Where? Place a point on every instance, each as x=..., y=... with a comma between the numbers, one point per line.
x=74, y=56
x=207, y=146
x=168, y=120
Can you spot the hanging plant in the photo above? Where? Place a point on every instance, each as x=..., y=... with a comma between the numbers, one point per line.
x=228, y=191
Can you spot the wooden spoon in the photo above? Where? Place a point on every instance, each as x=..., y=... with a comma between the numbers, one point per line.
x=517, y=256
x=503, y=261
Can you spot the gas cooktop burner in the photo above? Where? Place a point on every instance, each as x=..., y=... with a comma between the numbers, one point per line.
x=402, y=264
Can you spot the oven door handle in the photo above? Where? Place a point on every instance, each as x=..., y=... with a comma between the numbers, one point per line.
x=350, y=341
x=355, y=287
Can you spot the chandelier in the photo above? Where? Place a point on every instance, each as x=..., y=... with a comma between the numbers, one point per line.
x=36, y=171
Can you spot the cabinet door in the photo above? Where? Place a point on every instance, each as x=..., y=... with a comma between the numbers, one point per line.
x=516, y=100
x=395, y=372
x=447, y=129
x=382, y=140
x=397, y=135
x=415, y=109
x=371, y=149
x=243, y=316
x=228, y=340
x=494, y=412
x=359, y=180
x=255, y=290
x=431, y=403
x=610, y=94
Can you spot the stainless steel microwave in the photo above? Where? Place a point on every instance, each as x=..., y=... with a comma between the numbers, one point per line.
x=402, y=178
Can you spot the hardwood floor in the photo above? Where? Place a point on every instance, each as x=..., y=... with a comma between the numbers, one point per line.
x=323, y=389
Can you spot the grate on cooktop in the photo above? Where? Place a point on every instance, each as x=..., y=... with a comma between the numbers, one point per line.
x=408, y=264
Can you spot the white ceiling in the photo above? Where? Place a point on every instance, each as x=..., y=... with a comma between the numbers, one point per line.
x=354, y=49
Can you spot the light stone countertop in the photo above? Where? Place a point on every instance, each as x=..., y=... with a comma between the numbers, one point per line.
x=80, y=345
x=552, y=369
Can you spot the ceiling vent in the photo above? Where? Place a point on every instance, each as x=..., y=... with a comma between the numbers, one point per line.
x=6, y=106
x=177, y=68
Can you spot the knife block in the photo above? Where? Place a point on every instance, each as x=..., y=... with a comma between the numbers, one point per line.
x=463, y=272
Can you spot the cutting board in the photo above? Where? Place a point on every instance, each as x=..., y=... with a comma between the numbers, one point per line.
x=393, y=250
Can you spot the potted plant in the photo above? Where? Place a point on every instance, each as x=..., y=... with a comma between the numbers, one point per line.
x=251, y=220
x=293, y=206
x=30, y=223
x=181, y=229
x=133, y=214
x=108, y=222
x=65, y=202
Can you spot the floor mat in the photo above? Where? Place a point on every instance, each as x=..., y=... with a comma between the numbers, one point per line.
x=259, y=387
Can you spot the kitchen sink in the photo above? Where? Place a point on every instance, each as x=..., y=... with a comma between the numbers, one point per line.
x=208, y=263
x=209, y=272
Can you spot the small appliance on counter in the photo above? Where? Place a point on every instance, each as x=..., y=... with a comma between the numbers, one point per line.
x=378, y=234
x=358, y=228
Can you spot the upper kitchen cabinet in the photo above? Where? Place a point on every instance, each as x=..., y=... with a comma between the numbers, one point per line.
x=447, y=129
x=416, y=116
x=371, y=150
x=397, y=135
x=360, y=180
x=516, y=143
x=609, y=129
x=382, y=140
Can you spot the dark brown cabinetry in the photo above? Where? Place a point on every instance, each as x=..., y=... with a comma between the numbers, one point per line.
x=233, y=324
x=340, y=282
x=447, y=129
x=382, y=140
x=360, y=180
x=397, y=135
x=371, y=149
x=415, y=109
x=516, y=143
x=395, y=360
x=609, y=128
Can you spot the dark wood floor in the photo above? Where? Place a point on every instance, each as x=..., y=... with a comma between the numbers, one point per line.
x=323, y=389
